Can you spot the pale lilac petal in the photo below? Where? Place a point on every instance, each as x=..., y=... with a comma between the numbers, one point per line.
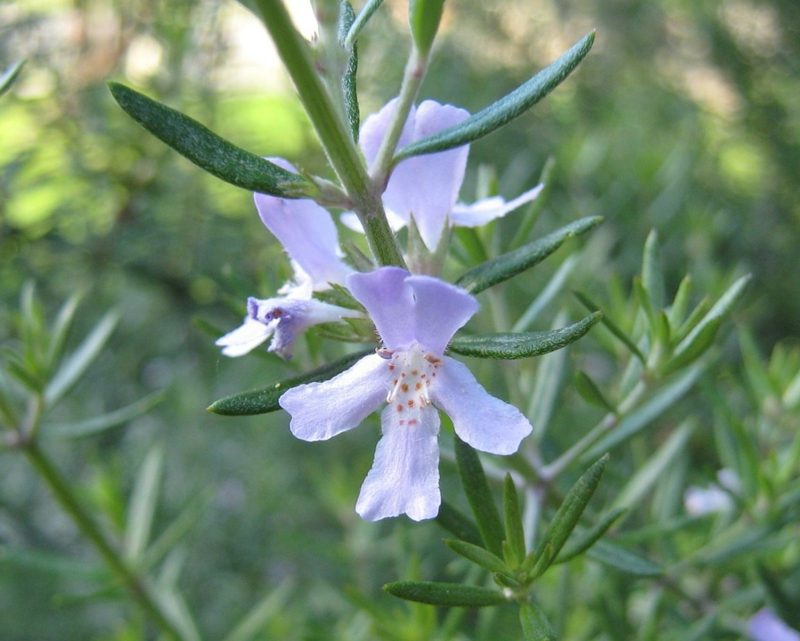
x=404, y=478
x=768, y=626
x=307, y=233
x=700, y=501
x=245, y=338
x=481, y=420
x=427, y=186
x=375, y=127
x=322, y=410
x=440, y=309
x=351, y=221
x=389, y=301
x=488, y=209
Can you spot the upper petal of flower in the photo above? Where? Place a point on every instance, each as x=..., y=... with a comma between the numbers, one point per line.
x=389, y=301
x=427, y=186
x=245, y=338
x=440, y=310
x=307, y=233
x=480, y=420
x=404, y=478
x=487, y=209
x=765, y=625
x=374, y=129
x=322, y=410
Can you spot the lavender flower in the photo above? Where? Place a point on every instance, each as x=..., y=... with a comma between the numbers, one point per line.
x=416, y=316
x=426, y=187
x=309, y=236
x=765, y=625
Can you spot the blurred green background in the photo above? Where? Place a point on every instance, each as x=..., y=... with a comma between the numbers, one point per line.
x=684, y=118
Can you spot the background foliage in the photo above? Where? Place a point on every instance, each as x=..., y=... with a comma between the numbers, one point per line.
x=683, y=119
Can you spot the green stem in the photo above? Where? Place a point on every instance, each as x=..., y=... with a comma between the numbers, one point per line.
x=609, y=421
x=412, y=79
x=334, y=136
x=360, y=22
x=133, y=582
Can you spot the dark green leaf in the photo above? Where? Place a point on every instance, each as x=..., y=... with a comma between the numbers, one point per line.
x=784, y=604
x=60, y=329
x=9, y=76
x=99, y=424
x=445, y=594
x=477, y=554
x=423, y=20
x=589, y=537
x=480, y=497
x=208, y=150
x=567, y=515
x=508, y=345
x=677, y=310
x=612, y=326
x=515, y=535
x=349, y=92
x=504, y=110
x=589, y=392
x=512, y=263
x=642, y=416
x=618, y=557
x=265, y=399
x=535, y=626
x=457, y=523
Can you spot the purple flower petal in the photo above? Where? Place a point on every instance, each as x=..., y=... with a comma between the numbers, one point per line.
x=481, y=420
x=486, y=210
x=245, y=338
x=404, y=478
x=374, y=129
x=427, y=186
x=307, y=233
x=765, y=625
x=322, y=410
x=389, y=301
x=440, y=310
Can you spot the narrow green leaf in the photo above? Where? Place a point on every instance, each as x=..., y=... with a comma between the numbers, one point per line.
x=611, y=326
x=423, y=21
x=618, y=557
x=143, y=503
x=504, y=110
x=649, y=411
x=49, y=563
x=480, y=497
x=512, y=515
x=512, y=263
x=699, y=339
x=477, y=554
x=349, y=91
x=755, y=368
x=445, y=594
x=531, y=214
x=579, y=544
x=9, y=76
x=535, y=626
x=654, y=468
x=589, y=392
x=652, y=275
x=507, y=345
x=252, y=624
x=76, y=364
x=677, y=310
x=545, y=298
x=369, y=8
x=265, y=399
x=458, y=524
x=209, y=151
x=567, y=515
x=60, y=329
x=99, y=424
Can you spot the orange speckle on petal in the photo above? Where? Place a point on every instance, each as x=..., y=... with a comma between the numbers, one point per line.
x=399, y=408
x=411, y=403
x=418, y=386
x=404, y=387
x=413, y=421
